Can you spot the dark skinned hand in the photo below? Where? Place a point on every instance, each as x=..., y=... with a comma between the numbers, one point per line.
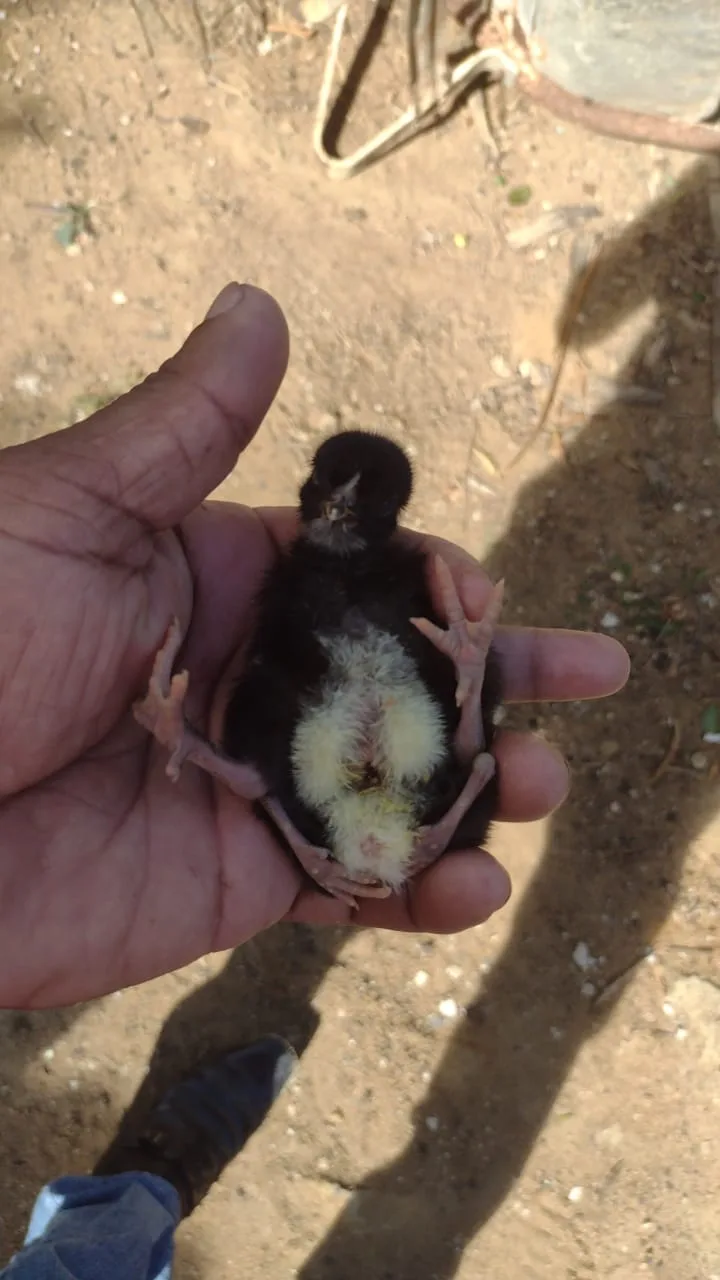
x=109, y=873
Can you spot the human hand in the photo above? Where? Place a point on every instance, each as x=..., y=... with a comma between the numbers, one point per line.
x=109, y=873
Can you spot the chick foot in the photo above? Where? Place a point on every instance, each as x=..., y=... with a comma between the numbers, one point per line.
x=161, y=713
x=321, y=866
x=467, y=644
x=431, y=842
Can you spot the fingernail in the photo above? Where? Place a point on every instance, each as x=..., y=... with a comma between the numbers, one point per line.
x=227, y=298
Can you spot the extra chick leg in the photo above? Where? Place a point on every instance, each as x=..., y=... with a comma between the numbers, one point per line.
x=430, y=842
x=161, y=712
x=318, y=863
x=467, y=643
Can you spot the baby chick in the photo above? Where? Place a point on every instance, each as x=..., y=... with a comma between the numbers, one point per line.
x=363, y=720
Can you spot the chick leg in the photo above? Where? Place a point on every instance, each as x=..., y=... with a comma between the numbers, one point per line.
x=467, y=643
x=318, y=863
x=161, y=712
x=431, y=842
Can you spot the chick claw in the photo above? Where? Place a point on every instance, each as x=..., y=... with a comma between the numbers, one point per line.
x=161, y=713
x=321, y=867
x=161, y=710
x=467, y=644
x=431, y=842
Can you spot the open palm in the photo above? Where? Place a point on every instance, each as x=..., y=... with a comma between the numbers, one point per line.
x=109, y=873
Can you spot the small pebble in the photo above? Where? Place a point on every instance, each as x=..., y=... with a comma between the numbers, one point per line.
x=668, y=1009
x=321, y=421
x=432, y=1123
x=588, y=990
x=118, y=297
x=699, y=760
x=610, y=621
x=420, y=978
x=575, y=1195
x=48, y=1054
x=453, y=971
x=448, y=1008
x=500, y=367
x=460, y=241
x=28, y=384
x=582, y=957
x=681, y=1033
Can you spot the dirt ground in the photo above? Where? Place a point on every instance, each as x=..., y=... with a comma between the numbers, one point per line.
x=560, y=1118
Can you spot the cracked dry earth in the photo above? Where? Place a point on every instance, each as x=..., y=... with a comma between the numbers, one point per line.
x=539, y=1097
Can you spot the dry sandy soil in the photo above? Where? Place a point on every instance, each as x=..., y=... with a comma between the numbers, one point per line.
x=564, y=1122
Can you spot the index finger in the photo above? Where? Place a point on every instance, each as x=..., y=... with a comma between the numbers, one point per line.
x=540, y=664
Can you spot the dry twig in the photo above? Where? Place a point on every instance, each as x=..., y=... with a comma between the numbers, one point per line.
x=669, y=757
x=571, y=312
x=143, y=27
x=203, y=33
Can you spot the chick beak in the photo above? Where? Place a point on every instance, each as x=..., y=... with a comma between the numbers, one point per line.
x=339, y=506
x=334, y=511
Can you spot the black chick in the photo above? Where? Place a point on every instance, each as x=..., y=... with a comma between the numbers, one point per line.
x=363, y=720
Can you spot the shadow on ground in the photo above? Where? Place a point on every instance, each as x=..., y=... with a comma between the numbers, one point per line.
x=633, y=496
x=266, y=986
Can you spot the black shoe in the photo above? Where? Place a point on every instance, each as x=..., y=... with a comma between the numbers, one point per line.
x=203, y=1122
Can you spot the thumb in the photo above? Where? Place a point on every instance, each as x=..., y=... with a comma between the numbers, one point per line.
x=160, y=449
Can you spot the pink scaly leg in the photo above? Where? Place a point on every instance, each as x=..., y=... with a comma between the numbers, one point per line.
x=431, y=842
x=467, y=643
x=161, y=712
x=319, y=864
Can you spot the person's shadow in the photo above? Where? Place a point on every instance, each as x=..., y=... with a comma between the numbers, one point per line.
x=609, y=530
